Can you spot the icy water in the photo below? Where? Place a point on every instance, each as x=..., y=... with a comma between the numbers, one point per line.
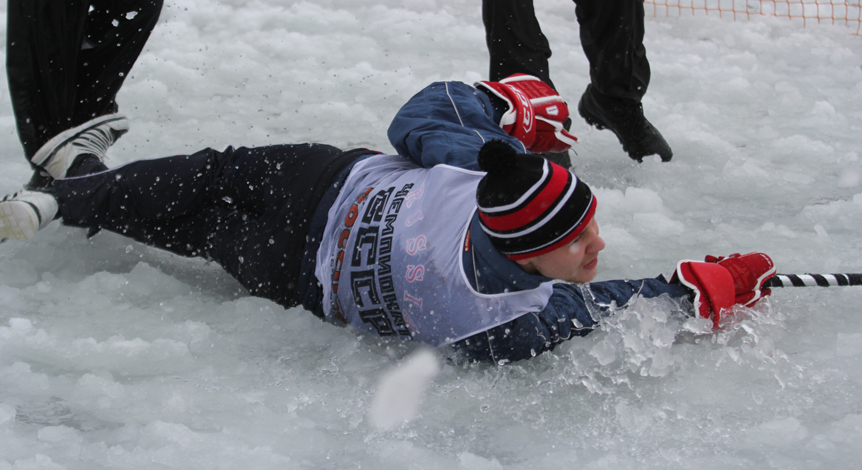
x=116, y=355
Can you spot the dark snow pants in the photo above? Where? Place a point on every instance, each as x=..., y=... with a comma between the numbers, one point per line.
x=248, y=209
x=66, y=60
x=612, y=33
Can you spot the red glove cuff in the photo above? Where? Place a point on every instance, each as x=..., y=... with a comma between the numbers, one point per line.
x=519, y=121
x=551, y=136
x=712, y=285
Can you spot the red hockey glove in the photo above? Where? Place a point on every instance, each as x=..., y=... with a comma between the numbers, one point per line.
x=712, y=285
x=536, y=113
x=749, y=272
x=720, y=282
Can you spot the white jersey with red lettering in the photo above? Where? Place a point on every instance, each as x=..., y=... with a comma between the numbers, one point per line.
x=390, y=260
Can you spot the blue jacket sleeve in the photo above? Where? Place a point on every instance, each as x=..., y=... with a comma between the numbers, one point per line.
x=568, y=314
x=447, y=122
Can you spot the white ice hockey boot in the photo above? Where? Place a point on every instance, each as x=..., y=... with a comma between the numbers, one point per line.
x=25, y=212
x=93, y=138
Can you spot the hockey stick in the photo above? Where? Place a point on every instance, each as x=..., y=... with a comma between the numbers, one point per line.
x=814, y=280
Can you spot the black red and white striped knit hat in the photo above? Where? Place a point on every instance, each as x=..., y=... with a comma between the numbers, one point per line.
x=529, y=206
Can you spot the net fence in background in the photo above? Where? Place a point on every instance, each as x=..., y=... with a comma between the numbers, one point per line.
x=848, y=12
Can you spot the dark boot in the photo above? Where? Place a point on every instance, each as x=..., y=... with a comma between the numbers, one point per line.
x=638, y=137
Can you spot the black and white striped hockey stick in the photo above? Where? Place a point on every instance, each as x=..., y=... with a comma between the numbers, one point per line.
x=813, y=280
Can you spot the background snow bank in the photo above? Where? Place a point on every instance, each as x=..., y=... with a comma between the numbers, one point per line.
x=116, y=355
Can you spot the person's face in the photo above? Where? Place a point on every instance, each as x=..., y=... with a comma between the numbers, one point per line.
x=575, y=262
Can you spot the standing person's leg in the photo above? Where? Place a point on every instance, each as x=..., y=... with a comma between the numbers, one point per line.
x=612, y=33
x=66, y=63
x=112, y=24
x=515, y=40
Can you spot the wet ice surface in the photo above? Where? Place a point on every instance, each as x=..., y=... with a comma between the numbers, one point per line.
x=116, y=355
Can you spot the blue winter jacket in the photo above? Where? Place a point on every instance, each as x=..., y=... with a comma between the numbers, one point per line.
x=447, y=123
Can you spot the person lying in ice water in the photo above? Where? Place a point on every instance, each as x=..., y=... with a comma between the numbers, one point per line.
x=463, y=238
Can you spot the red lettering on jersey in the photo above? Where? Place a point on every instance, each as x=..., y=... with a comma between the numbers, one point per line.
x=415, y=245
x=415, y=273
x=412, y=299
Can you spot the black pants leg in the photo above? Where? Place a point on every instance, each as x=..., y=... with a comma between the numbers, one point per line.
x=247, y=209
x=515, y=40
x=65, y=62
x=611, y=32
x=612, y=35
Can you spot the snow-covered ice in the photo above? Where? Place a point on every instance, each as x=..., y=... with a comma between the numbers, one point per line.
x=117, y=355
